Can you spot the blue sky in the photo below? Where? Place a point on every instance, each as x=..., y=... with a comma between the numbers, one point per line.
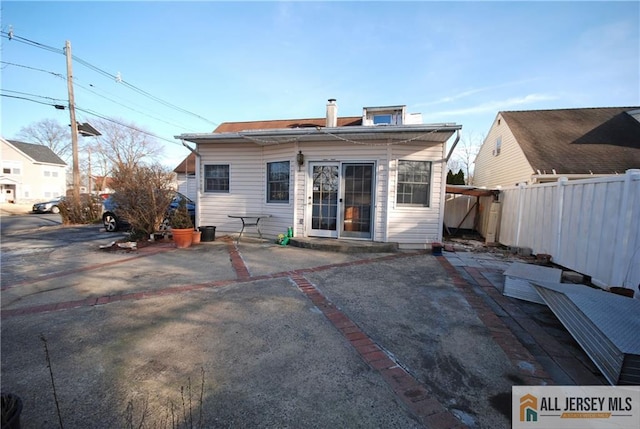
x=239, y=61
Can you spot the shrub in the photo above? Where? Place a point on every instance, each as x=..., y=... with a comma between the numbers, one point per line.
x=142, y=196
x=87, y=209
x=180, y=218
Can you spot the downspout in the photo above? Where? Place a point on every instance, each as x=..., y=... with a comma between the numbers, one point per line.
x=197, y=168
x=443, y=181
x=453, y=147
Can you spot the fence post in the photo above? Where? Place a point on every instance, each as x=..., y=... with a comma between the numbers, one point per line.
x=621, y=256
x=562, y=182
x=521, y=192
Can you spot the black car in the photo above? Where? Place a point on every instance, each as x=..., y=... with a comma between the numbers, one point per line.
x=112, y=222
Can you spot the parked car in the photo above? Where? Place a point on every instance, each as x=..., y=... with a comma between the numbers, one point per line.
x=48, y=207
x=112, y=222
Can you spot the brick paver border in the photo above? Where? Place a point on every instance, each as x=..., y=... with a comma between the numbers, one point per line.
x=412, y=393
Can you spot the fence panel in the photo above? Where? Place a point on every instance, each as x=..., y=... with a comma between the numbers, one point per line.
x=591, y=226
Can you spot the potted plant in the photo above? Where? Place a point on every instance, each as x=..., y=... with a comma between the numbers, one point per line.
x=10, y=409
x=181, y=226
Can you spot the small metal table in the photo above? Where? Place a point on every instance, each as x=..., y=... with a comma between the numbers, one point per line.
x=250, y=220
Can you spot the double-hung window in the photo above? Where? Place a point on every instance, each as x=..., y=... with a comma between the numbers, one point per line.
x=278, y=182
x=414, y=183
x=216, y=178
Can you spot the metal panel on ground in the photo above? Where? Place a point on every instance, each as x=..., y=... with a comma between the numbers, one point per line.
x=518, y=277
x=605, y=325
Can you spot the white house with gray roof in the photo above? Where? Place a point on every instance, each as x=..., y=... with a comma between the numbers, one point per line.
x=30, y=172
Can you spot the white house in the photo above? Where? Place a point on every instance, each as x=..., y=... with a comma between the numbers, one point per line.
x=30, y=172
x=186, y=182
x=379, y=176
x=536, y=146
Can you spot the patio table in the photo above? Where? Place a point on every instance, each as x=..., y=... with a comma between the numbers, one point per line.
x=250, y=220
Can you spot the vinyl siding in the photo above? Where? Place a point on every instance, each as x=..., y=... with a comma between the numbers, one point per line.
x=414, y=226
x=31, y=184
x=505, y=169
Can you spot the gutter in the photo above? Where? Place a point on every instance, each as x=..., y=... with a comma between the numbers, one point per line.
x=318, y=131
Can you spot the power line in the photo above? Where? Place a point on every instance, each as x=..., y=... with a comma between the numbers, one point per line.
x=33, y=68
x=94, y=92
x=104, y=73
x=28, y=99
x=26, y=41
x=128, y=107
x=90, y=112
x=33, y=95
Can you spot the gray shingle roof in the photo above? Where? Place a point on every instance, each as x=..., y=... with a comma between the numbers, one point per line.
x=38, y=152
x=577, y=141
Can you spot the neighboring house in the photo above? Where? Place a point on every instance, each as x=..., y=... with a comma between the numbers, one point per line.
x=527, y=147
x=187, y=183
x=379, y=176
x=30, y=172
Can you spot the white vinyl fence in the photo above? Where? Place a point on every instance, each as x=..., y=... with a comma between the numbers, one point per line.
x=591, y=226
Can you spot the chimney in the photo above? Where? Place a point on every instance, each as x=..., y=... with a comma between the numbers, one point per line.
x=332, y=113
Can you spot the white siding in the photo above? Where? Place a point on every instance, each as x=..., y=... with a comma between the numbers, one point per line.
x=187, y=185
x=507, y=168
x=32, y=184
x=411, y=226
x=415, y=227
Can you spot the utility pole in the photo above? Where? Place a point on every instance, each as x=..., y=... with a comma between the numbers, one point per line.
x=74, y=125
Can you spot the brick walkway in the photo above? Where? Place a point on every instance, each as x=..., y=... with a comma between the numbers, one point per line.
x=505, y=321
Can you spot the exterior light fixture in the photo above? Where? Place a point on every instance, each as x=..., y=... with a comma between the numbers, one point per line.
x=300, y=159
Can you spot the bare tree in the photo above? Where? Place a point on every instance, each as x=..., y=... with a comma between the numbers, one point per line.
x=121, y=144
x=465, y=153
x=50, y=133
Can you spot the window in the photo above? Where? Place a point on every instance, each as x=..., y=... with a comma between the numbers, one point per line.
x=381, y=119
x=47, y=173
x=54, y=174
x=414, y=183
x=278, y=182
x=496, y=151
x=216, y=178
x=6, y=171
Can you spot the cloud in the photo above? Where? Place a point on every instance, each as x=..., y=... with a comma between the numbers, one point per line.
x=474, y=91
x=498, y=105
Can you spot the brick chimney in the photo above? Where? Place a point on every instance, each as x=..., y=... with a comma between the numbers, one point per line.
x=332, y=113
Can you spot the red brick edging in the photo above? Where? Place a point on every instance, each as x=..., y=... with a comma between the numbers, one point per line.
x=529, y=368
x=428, y=409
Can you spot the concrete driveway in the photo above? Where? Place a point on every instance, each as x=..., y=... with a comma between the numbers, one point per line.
x=272, y=336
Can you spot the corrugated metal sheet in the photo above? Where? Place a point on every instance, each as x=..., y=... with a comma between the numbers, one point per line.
x=518, y=277
x=606, y=326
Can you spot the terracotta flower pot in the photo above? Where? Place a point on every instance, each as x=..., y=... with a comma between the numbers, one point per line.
x=182, y=237
x=196, y=237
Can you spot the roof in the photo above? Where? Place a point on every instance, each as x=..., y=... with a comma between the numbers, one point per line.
x=574, y=141
x=234, y=127
x=470, y=190
x=187, y=166
x=37, y=152
x=265, y=133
